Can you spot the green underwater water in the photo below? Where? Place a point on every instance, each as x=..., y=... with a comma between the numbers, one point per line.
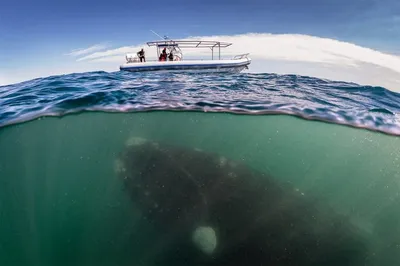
x=61, y=203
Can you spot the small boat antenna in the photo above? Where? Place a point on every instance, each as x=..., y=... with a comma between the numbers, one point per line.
x=165, y=37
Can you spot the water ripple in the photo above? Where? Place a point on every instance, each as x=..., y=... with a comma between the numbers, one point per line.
x=374, y=108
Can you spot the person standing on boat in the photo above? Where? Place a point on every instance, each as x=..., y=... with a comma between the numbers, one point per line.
x=141, y=55
x=164, y=54
x=170, y=56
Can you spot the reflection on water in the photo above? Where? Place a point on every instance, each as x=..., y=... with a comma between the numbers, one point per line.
x=62, y=201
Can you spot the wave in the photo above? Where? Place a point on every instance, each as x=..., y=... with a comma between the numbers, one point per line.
x=369, y=107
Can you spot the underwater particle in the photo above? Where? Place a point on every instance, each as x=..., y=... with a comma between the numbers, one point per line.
x=205, y=239
x=135, y=141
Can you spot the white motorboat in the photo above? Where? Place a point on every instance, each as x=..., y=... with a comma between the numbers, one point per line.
x=173, y=60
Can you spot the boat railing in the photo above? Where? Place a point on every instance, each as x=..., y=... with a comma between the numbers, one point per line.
x=156, y=60
x=240, y=56
x=136, y=60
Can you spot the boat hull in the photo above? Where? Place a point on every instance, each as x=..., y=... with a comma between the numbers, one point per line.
x=235, y=65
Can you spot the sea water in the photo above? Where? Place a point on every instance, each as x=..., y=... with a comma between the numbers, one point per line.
x=62, y=204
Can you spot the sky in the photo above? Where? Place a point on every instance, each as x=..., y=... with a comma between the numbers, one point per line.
x=351, y=40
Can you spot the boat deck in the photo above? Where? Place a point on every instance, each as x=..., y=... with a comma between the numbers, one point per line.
x=215, y=65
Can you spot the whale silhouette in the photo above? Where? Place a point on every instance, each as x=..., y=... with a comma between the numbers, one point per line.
x=209, y=210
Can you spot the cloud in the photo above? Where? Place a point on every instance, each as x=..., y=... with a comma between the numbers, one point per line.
x=3, y=80
x=288, y=47
x=113, y=52
x=288, y=54
x=270, y=53
x=91, y=49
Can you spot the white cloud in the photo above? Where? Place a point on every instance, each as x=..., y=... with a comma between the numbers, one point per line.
x=3, y=80
x=270, y=53
x=118, y=51
x=290, y=54
x=288, y=47
x=91, y=49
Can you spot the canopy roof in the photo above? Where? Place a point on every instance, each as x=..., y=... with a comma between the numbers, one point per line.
x=189, y=44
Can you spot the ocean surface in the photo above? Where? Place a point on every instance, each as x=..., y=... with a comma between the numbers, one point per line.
x=369, y=107
x=61, y=202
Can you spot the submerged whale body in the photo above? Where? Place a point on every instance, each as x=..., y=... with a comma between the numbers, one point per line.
x=209, y=210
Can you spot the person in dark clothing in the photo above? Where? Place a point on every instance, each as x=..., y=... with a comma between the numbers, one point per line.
x=141, y=55
x=171, y=56
x=163, y=57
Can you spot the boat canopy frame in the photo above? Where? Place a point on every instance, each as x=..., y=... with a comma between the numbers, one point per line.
x=190, y=44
